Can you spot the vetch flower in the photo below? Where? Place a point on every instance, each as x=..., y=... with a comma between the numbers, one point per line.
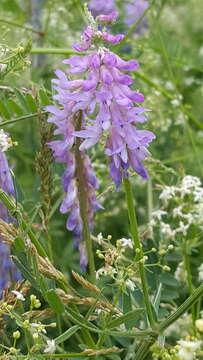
x=98, y=104
x=107, y=19
x=8, y=270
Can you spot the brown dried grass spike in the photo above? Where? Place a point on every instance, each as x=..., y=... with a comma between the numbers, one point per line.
x=84, y=283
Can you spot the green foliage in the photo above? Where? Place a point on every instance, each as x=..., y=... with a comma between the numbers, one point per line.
x=110, y=322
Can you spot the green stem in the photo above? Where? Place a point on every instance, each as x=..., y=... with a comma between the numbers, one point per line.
x=150, y=202
x=53, y=356
x=138, y=246
x=133, y=27
x=57, y=51
x=191, y=300
x=13, y=23
x=24, y=117
x=83, y=200
x=189, y=281
x=11, y=206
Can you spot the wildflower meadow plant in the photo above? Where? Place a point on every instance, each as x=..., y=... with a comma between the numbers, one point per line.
x=137, y=292
x=98, y=106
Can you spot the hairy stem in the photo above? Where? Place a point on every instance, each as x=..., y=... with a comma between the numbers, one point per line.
x=138, y=247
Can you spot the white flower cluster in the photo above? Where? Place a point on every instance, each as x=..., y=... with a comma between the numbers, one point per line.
x=180, y=273
x=182, y=207
x=5, y=141
x=187, y=349
x=113, y=257
x=200, y=273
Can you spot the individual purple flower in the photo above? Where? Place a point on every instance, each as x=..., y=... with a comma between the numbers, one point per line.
x=8, y=271
x=107, y=19
x=134, y=11
x=98, y=7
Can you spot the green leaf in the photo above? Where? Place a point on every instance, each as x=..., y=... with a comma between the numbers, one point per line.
x=16, y=109
x=43, y=286
x=169, y=280
x=3, y=110
x=31, y=103
x=25, y=272
x=22, y=100
x=157, y=299
x=55, y=302
x=44, y=100
x=18, y=244
x=169, y=294
x=131, y=315
x=80, y=320
x=67, y=334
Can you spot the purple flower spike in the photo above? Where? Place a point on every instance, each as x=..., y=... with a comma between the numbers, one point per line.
x=109, y=108
x=8, y=271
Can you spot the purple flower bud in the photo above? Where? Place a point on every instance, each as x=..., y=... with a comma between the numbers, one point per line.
x=112, y=39
x=86, y=40
x=108, y=19
x=98, y=7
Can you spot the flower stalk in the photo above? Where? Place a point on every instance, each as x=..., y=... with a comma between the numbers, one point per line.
x=83, y=200
x=138, y=249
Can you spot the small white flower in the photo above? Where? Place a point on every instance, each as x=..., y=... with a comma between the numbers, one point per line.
x=191, y=181
x=175, y=102
x=158, y=214
x=200, y=272
x=51, y=347
x=186, y=349
x=182, y=228
x=19, y=295
x=180, y=273
x=5, y=141
x=107, y=271
x=167, y=193
x=126, y=242
x=167, y=231
x=177, y=211
x=130, y=284
x=169, y=85
x=99, y=238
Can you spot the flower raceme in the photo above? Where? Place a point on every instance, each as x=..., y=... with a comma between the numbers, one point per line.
x=96, y=89
x=7, y=267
